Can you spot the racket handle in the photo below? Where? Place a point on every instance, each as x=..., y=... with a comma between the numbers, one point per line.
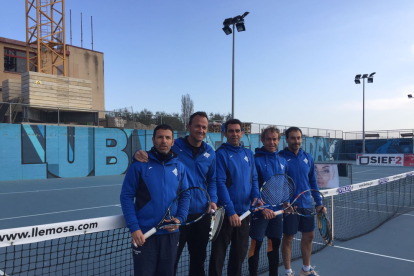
x=278, y=212
x=150, y=233
x=242, y=217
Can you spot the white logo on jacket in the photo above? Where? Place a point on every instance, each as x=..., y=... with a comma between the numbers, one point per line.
x=175, y=172
x=207, y=155
x=246, y=158
x=305, y=160
x=281, y=165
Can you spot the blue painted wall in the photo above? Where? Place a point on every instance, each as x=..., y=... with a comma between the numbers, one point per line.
x=40, y=152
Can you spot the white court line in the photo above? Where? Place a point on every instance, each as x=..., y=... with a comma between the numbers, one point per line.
x=75, y=210
x=364, y=171
x=53, y=190
x=375, y=254
x=365, y=252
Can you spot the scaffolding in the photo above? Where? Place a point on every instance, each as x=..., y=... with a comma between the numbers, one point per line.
x=45, y=35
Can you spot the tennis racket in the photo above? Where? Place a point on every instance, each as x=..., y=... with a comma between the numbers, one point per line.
x=275, y=191
x=325, y=228
x=217, y=218
x=198, y=197
x=294, y=209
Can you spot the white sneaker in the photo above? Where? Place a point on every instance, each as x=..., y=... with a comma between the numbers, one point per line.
x=311, y=272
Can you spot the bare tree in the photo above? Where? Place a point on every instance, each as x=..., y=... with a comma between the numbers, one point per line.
x=187, y=108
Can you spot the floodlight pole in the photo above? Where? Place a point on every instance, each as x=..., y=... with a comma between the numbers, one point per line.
x=363, y=116
x=232, y=80
x=357, y=81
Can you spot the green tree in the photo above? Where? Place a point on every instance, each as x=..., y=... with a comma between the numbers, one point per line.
x=145, y=117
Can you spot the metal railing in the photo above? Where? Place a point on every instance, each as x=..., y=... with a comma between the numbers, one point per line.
x=124, y=118
x=379, y=134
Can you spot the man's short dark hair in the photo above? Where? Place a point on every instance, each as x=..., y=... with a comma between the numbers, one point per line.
x=292, y=129
x=232, y=122
x=198, y=113
x=164, y=127
x=270, y=129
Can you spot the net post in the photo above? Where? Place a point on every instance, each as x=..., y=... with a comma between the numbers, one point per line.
x=332, y=219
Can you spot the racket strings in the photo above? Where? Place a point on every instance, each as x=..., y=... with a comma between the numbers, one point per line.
x=217, y=220
x=277, y=190
x=199, y=201
x=325, y=228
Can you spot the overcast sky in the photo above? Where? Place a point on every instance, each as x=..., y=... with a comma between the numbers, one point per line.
x=294, y=65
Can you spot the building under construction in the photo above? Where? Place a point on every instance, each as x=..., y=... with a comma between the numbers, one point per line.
x=45, y=80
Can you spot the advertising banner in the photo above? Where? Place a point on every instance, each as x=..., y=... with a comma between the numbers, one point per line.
x=380, y=159
x=408, y=160
x=46, y=232
x=327, y=175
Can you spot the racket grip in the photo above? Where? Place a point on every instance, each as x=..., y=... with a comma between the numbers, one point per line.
x=242, y=217
x=278, y=212
x=150, y=233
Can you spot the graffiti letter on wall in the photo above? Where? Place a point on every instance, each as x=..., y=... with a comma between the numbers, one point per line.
x=69, y=151
x=11, y=167
x=105, y=147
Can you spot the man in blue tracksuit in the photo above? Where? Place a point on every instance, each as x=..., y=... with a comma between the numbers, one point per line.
x=199, y=160
x=147, y=191
x=268, y=163
x=237, y=189
x=301, y=169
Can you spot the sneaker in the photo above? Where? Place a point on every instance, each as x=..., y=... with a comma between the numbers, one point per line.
x=291, y=274
x=311, y=272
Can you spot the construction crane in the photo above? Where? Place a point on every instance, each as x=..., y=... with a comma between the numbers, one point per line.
x=45, y=36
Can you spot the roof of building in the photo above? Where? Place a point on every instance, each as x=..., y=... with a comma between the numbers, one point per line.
x=23, y=44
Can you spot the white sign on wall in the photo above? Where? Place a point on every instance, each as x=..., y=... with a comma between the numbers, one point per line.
x=380, y=159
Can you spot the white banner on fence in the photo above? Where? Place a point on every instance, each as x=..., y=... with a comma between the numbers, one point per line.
x=52, y=231
x=380, y=159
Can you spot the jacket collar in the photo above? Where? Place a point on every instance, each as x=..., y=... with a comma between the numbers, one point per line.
x=154, y=155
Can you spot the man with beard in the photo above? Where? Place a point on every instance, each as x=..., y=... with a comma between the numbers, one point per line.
x=147, y=188
x=199, y=160
x=237, y=188
x=301, y=169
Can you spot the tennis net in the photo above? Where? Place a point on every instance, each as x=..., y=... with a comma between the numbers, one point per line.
x=102, y=246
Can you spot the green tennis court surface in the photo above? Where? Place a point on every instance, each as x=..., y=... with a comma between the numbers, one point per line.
x=66, y=200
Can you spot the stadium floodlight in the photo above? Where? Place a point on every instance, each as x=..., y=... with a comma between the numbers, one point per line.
x=357, y=81
x=245, y=14
x=410, y=96
x=371, y=78
x=227, y=21
x=240, y=27
x=227, y=30
x=237, y=21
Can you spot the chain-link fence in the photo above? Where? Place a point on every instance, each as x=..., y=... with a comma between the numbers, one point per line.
x=16, y=112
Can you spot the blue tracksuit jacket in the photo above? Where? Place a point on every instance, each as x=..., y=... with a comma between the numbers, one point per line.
x=301, y=168
x=267, y=165
x=201, y=170
x=153, y=185
x=236, y=178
